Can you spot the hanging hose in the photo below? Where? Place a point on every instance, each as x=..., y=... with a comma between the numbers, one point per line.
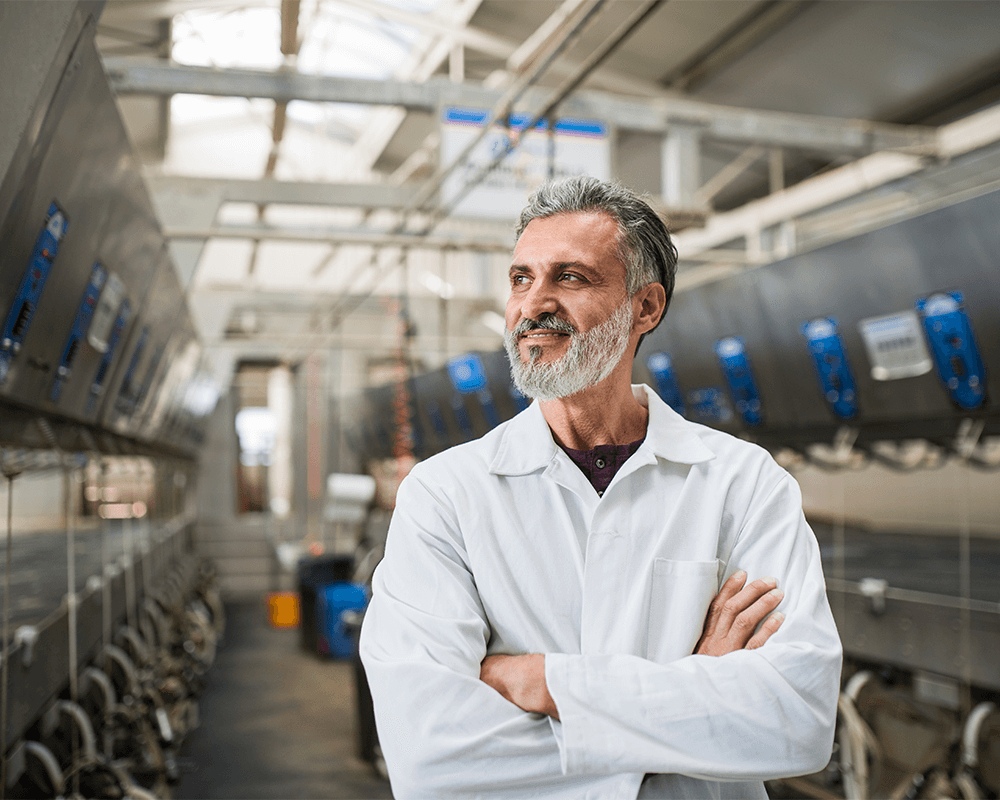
x=102, y=468
x=965, y=778
x=128, y=548
x=4, y=650
x=857, y=742
x=71, y=600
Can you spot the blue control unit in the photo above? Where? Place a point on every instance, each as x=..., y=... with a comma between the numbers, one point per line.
x=735, y=364
x=127, y=404
x=489, y=407
x=709, y=405
x=84, y=313
x=832, y=367
x=147, y=380
x=437, y=422
x=661, y=368
x=462, y=417
x=467, y=373
x=116, y=334
x=954, y=347
x=128, y=392
x=32, y=283
x=520, y=401
x=417, y=436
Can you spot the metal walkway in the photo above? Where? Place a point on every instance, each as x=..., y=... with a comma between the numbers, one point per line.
x=277, y=722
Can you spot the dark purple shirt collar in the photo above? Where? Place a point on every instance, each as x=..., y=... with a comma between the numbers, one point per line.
x=601, y=463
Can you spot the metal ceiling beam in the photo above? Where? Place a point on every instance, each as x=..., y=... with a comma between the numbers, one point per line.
x=264, y=192
x=824, y=134
x=283, y=85
x=822, y=191
x=339, y=236
x=164, y=9
x=354, y=236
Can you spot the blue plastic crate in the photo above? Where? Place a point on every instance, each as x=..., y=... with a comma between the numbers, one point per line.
x=333, y=600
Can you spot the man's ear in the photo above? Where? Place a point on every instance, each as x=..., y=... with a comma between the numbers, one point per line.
x=652, y=302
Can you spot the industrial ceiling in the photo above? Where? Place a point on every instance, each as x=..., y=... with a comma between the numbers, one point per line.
x=294, y=151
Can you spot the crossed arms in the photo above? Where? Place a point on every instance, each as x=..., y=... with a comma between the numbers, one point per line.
x=731, y=624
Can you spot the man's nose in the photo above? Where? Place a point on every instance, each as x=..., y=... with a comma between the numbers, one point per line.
x=541, y=298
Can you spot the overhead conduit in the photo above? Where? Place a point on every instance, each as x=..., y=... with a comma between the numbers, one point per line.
x=812, y=194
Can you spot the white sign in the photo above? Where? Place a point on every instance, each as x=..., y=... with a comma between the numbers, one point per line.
x=579, y=147
x=895, y=346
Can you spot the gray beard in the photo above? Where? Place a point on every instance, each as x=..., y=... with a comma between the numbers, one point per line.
x=591, y=357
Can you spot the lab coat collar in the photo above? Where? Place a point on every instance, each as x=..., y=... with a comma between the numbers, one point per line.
x=527, y=445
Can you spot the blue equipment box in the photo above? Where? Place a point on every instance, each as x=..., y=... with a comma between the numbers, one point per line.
x=735, y=364
x=956, y=353
x=661, y=368
x=832, y=367
x=334, y=599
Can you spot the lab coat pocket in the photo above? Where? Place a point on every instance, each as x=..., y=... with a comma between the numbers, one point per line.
x=678, y=602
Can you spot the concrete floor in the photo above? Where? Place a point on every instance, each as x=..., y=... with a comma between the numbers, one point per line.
x=276, y=722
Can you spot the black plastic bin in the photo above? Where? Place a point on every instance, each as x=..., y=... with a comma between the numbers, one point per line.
x=314, y=572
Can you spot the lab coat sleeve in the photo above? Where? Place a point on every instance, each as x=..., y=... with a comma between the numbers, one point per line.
x=443, y=732
x=747, y=715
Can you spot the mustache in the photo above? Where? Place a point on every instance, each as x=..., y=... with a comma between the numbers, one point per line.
x=549, y=322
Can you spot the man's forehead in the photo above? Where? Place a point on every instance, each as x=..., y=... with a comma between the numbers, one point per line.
x=587, y=237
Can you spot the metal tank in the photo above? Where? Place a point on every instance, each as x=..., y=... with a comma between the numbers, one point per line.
x=90, y=303
x=911, y=304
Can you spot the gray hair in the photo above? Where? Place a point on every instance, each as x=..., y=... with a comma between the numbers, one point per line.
x=644, y=244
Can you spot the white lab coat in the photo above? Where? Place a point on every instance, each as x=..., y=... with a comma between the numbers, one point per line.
x=501, y=545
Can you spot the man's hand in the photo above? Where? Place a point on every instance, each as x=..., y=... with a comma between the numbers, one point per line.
x=736, y=612
x=520, y=679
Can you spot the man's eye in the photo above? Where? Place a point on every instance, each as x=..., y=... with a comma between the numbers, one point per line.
x=517, y=280
x=569, y=276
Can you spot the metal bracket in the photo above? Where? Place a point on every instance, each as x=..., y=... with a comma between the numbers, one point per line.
x=25, y=638
x=874, y=589
x=843, y=443
x=967, y=437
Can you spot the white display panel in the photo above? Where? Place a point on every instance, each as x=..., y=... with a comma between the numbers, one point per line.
x=579, y=147
x=895, y=346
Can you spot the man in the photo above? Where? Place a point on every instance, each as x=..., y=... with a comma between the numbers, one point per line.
x=538, y=624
